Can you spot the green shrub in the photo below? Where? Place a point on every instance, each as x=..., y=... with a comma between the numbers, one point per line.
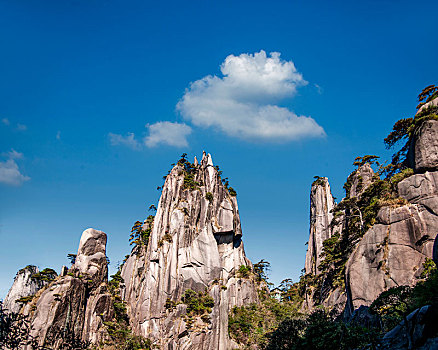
x=232, y=192
x=244, y=271
x=209, y=196
x=46, y=275
x=25, y=300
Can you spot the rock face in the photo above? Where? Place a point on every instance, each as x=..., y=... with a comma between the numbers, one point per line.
x=78, y=303
x=360, y=180
x=423, y=150
x=24, y=286
x=392, y=252
x=195, y=243
x=321, y=205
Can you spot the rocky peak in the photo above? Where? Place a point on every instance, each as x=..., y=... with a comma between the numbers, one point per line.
x=91, y=259
x=76, y=303
x=321, y=205
x=24, y=286
x=423, y=147
x=195, y=244
x=360, y=180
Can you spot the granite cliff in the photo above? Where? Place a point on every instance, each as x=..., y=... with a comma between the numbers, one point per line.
x=70, y=308
x=384, y=228
x=194, y=251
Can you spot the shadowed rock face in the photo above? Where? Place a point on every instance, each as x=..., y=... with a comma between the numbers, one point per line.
x=77, y=303
x=195, y=244
x=24, y=286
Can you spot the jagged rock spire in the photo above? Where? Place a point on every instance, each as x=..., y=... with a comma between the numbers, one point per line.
x=77, y=303
x=24, y=286
x=195, y=243
x=321, y=205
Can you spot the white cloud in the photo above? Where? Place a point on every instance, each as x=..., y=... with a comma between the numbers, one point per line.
x=21, y=127
x=58, y=135
x=9, y=172
x=128, y=140
x=244, y=102
x=6, y=121
x=13, y=154
x=172, y=134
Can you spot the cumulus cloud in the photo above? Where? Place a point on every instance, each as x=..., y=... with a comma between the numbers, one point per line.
x=9, y=172
x=172, y=134
x=244, y=102
x=128, y=140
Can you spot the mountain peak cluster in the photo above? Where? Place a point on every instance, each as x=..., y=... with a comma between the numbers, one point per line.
x=187, y=283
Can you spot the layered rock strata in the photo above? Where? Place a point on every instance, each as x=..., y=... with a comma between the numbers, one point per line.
x=195, y=243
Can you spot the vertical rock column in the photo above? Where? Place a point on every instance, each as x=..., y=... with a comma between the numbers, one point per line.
x=195, y=243
x=78, y=303
x=321, y=204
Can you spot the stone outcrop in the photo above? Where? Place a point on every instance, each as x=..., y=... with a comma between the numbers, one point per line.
x=195, y=243
x=423, y=147
x=423, y=150
x=360, y=180
x=24, y=286
x=76, y=304
x=321, y=205
x=392, y=252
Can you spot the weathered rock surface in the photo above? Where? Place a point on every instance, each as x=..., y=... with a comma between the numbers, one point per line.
x=24, y=286
x=391, y=253
x=78, y=303
x=195, y=244
x=361, y=179
x=423, y=150
x=321, y=205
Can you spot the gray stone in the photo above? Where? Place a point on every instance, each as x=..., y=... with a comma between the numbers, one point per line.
x=24, y=286
x=423, y=147
x=391, y=253
x=77, y=302
x=362, y=178
x=321, y=205
x=196, y=244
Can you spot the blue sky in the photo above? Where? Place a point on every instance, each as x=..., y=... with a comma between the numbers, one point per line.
x=97, y=101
